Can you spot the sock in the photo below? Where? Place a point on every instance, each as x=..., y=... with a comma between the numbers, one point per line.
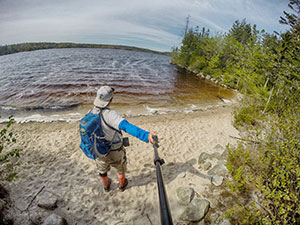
x=104, y=180
x=121, y=178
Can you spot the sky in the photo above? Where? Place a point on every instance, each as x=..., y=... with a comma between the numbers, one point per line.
x=153, y=24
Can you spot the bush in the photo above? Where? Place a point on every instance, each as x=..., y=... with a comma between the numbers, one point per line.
x=7, y=138
x=268, y=162
x=249, y=112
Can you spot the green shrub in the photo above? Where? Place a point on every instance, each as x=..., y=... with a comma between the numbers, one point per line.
x=268, y=162
x=197, y=63
x=7, y=138
x=249, y=112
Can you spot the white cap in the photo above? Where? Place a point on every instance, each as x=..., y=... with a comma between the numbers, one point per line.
x=104, y=95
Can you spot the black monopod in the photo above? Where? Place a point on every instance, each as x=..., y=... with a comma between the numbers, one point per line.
x=165, y=215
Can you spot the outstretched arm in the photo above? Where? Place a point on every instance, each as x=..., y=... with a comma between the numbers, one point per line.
x=136, y=131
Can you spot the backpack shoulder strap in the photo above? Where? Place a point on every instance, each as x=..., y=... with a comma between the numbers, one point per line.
x=107, y=123
x=100, y=127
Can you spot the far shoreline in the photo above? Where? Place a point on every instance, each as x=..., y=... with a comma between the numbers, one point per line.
x=33, y=46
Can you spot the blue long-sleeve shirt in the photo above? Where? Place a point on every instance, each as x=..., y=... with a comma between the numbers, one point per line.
x=134, y=130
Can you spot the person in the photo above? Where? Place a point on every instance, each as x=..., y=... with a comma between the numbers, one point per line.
x=112, y=124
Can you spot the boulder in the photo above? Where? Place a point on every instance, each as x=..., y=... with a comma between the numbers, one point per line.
x=203, y=157
x=37, y=217
x=184, y=195
x=217, y=180
x=54, y=219
x=216, y=155
x=47, y=200
x=219, y=170
x=196, y=210
x=206, y=165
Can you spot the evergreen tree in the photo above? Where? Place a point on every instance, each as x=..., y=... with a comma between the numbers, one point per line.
x=241, y=31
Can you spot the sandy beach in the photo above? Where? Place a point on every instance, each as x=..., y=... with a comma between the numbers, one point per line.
x=51, y=161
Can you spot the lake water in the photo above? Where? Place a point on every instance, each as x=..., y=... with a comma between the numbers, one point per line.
x=61, y=84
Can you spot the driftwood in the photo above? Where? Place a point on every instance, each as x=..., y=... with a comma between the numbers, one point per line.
x=268, y=100
x=219, y=97
x=34, y=197
x=149, y=219
x=242, y=139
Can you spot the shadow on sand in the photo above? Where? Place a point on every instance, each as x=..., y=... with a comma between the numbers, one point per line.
x=170, y=171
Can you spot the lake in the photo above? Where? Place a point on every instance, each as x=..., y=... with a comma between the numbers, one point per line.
x=61, y=84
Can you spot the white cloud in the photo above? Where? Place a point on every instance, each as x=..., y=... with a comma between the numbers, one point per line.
x=161, y=22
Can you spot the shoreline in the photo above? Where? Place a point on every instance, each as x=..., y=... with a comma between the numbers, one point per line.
x=75, y=115
x=35, y=46
x=51, y=158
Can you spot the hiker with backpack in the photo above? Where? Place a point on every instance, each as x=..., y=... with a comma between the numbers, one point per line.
x=102, y=139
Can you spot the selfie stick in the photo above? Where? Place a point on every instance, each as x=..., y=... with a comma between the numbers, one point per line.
x=165, y=215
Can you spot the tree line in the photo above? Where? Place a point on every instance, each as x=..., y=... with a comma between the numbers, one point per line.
x=25, y=47
x=265, y=68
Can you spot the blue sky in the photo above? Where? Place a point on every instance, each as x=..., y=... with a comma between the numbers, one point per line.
x=155, y=24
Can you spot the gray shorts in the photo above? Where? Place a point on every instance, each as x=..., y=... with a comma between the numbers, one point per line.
x=115, y=158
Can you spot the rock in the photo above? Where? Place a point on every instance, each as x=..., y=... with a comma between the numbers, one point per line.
x=6, y=219
x=213, y=203
x=3, y=192
x=225, y=222
x=2, y=204
x=181, y=175
x=207, y=77
x=217, y=180
x=203, y=157
x=216, y=155
x=201, y=75
x=195, y=211
x=219, y=170
x=214, y=218
x=184, y=195
x=206, y=165
x=240, y=97
x=218, y=147
x=54, y=219
x=47, y=200
x=36, y=217
x=224, y=155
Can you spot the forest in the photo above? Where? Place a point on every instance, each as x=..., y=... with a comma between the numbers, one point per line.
x=32, y=46
x=265, y=165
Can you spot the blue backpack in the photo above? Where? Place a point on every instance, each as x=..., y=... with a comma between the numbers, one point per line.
x=92, y=136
